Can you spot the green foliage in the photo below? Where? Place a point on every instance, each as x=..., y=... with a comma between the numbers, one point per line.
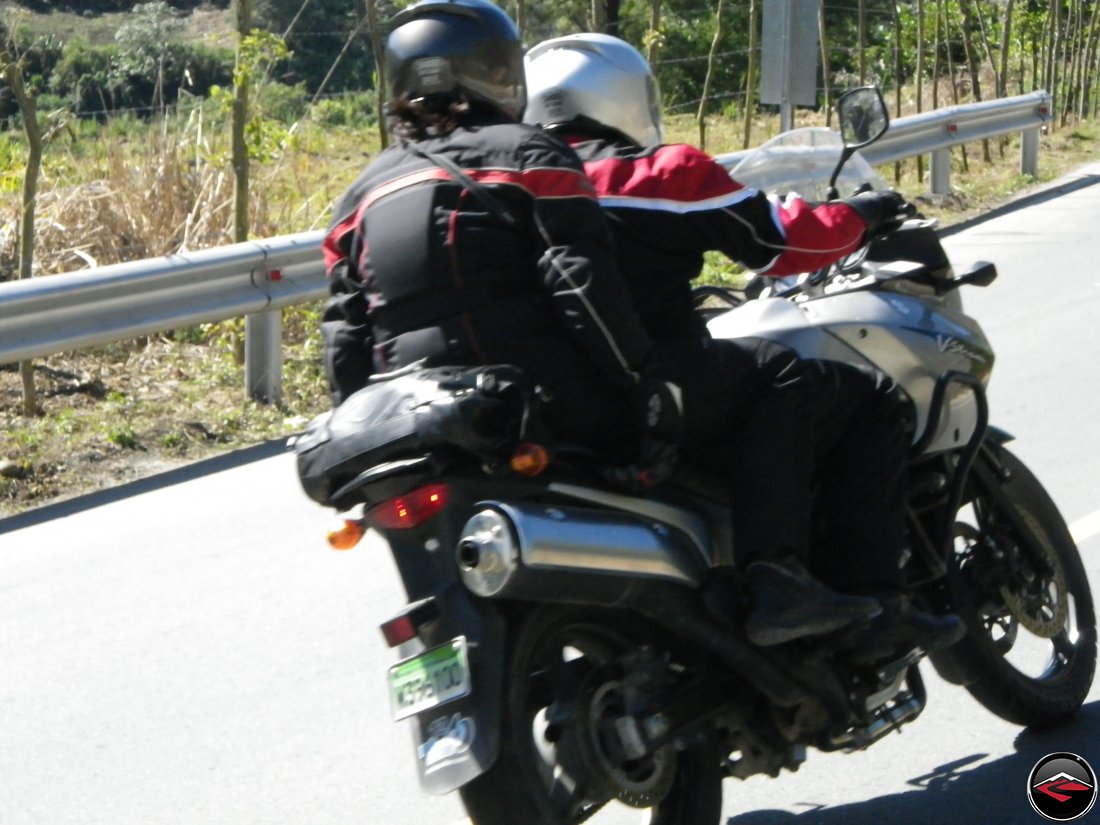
x=93, y=7
x=320, y=31
x=144, y=39
x=356, y=109
x=718, y=270
x=123, y=436
x=273, y=106
x=11, y=163
x=105, y=79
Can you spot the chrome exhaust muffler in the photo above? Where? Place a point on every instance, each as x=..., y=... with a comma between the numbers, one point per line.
x=511, y=550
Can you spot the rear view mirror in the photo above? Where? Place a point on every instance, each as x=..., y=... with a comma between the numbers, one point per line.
x=863, y=116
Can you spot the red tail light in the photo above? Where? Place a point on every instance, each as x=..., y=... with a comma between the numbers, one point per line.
x=409, y=510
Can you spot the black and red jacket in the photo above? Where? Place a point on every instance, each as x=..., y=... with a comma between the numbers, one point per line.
x=672, y=203
x=420, y=268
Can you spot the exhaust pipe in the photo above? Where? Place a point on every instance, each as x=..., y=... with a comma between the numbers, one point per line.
x=505, y=548
x=585, y=556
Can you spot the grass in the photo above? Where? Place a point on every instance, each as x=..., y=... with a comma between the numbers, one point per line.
x=128, y=190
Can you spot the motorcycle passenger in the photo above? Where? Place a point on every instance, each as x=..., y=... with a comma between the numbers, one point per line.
x=783, y=427
x=476, y=238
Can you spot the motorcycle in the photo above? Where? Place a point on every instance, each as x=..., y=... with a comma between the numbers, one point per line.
x=556, y=659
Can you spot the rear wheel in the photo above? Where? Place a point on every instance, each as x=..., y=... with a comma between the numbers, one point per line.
x=560, y=759
x=1021, y=588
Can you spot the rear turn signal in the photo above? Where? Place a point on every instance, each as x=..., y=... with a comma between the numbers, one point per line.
x=530, y=459
x=409, y=510
x=347, y=536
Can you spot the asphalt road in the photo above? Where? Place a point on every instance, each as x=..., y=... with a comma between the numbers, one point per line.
x=187, y=650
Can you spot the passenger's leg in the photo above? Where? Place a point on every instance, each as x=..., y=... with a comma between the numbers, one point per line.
x=756, y=433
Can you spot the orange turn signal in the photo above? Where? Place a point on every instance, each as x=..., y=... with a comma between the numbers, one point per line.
x=530, y=459
x=347, y=536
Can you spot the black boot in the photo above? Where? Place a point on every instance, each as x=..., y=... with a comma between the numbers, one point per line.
x=902, y=627
x=788, y=603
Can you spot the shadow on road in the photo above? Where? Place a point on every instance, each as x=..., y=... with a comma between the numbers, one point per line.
x=958, y=792
x=1043, y=196
x=179, y=475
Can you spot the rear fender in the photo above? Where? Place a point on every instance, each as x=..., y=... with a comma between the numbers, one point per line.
x=459, y=740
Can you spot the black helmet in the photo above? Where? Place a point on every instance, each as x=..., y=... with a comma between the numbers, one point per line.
x=443, y=46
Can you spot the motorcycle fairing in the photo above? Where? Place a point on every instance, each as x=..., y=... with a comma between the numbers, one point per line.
x=915, y=340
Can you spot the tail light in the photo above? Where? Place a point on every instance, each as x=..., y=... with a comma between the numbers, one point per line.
x=408, y=510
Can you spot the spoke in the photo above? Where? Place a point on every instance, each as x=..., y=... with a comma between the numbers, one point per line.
x=1063, y=646
x=563, y=797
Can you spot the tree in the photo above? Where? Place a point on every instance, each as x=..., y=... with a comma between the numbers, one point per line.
x=973, y=62
x=701, y=115
x=826, y=71
x=144, y=41
x=1006, y=40
x=241, y=83
x=317, y=30
x=750, y=73
x=653, y=35
x=13, y=72
x=376, y=40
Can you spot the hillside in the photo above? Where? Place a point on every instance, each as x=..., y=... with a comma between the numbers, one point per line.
x=97, y=23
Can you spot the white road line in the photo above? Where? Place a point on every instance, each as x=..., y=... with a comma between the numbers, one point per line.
x=1085, y=528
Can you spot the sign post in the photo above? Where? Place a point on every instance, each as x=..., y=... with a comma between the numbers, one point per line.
x=788, y=56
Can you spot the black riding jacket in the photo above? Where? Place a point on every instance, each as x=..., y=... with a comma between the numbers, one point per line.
x=420, y=267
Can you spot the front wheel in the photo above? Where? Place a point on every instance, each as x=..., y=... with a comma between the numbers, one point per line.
x=1021, y=588
x=559, y=762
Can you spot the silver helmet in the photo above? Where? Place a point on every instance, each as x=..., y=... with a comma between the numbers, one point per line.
x=593, y=76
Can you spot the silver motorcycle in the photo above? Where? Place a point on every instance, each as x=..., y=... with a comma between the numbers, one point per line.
x=555, y=659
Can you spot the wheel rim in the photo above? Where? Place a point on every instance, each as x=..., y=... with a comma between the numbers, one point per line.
x=1039, y=600
x=1029, y=622
x=567, y=708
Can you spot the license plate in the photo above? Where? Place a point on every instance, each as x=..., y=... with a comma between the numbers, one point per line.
x=433, y=678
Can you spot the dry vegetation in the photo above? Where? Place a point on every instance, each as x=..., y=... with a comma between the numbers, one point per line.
x=126, y=191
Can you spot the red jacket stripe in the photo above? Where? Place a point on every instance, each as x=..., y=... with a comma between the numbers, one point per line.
x=539, y=183
x=674, y=177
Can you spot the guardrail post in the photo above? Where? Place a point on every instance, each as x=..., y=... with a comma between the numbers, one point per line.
x=1029, y=152
x=263, y=356
x=941, y=171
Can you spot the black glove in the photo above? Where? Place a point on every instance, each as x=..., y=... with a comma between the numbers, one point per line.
x=658, y=411
x=882, y=211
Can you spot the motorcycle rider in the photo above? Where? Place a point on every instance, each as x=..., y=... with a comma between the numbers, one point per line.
x=477, y=239
x=801, y=426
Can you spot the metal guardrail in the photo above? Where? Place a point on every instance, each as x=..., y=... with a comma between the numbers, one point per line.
x=43, y=316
